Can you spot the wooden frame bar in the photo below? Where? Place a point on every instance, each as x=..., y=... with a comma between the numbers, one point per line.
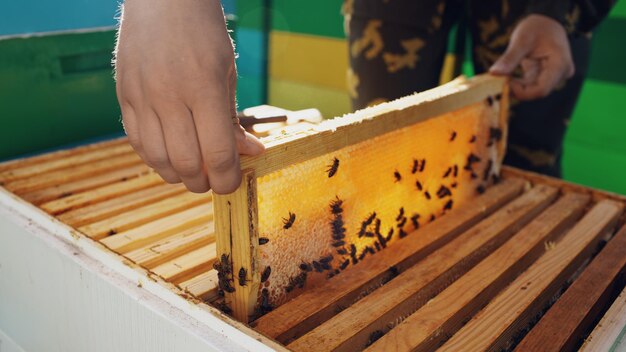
x=236, y=214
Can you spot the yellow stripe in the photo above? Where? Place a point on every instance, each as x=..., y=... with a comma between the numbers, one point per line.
x=308, y=59
x=296, y=96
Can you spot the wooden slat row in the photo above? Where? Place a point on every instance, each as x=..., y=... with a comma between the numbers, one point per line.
x=315, y=306
x=413, y=288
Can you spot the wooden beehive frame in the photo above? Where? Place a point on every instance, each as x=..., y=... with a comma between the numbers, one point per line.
x=236, y=216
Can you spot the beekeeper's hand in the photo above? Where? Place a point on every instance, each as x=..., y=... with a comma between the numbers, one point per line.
x=538, y=45
x=176, y=80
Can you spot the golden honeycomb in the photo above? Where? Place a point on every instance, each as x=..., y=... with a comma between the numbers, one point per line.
x=320, y=217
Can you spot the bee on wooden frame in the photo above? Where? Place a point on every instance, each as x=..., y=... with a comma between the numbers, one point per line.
x=287, y=223
x=332, y=169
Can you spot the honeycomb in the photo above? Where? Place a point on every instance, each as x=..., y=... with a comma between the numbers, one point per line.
x=320, y=217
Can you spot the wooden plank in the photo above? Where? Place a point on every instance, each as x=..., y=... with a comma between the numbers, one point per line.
x=41, y=158
x=187, y=265
x=144, y=214
x=313, y=307
x=331, y=135
x=562, y=328
x=596, y=194
x=101, y=193
x=151, y=232
x=203, y=286
x=173, y=246
x=112, y=207
x=236, y=226
x=66, y=162
x=610, y=333
x=85, y=184
x=513, y=309
x=428, y=328
x=414, y=287
x=72, y=173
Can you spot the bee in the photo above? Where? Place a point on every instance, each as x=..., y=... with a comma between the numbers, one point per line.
x=369, y=250
x=266, y=274
x=243, y=273
x=326, y=259
x=443, y=192
x=401, y=233
x=415, y=167
x=382, y=240
x=389, y=235
x=335, y=206
x=263, y=240
x=498, y=96
x=414, y=220
x=495, y=178
x=377, y=227
x=353, y=254
x=402, y=222
x=342, y=251
x=325, y=266
x=306, y=267
x=339, y=243
x=345, y=264
x=397, y=176
x=455, y=170
x=369, y=234
x=427, y=195
x=401, y=214
x=332, y=169
x=362, y=255
x=224, y=308
x=339, y=231
x=473, y=175
x=318, y=266
x=473, y=139
x=471, y=159
x=226, y=286
x=370, y=218
x=448, y=205
x=432, y=217
x=447, y=173
x=454, y=185
x=374, y=336
x=489, y=101
x=453, y=136
x=300, y=280
x=330, y=275
x=495, y=134
x=265, y=305
x=419, y=186
x=377, y=245
x=287, y=223
x=423, y=165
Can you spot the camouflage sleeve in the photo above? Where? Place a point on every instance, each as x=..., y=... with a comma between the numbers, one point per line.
x=589, y=12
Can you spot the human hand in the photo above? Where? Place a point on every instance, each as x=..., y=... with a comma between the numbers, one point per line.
x=176, y=81
x=538, y=45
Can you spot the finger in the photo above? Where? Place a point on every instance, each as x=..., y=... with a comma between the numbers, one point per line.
x=216, y=136
x=129, y=122
x=247, y=144
x=182, y=145
x=518, y=48
x=151, y=135
x=551, y=73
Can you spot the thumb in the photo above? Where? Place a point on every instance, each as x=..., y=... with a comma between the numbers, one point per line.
x=512, y=57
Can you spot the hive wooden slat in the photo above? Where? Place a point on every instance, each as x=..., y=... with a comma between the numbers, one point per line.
x=173, y=246
x=427, y=328
x=611, y=330
x=187, y=265
x=513, y=309
x=315, y=306
x=151, y=232
x=414, y=287
x=203, y=286
x=144, y=214
x=64, y=153
x=68, y=161
x=72, y=173
x=236, y=225
x=118, y=205
x=85, y=184
x=561, y=327
x=101, y=193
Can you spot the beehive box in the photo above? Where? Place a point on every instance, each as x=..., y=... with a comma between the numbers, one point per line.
x=97, y=253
